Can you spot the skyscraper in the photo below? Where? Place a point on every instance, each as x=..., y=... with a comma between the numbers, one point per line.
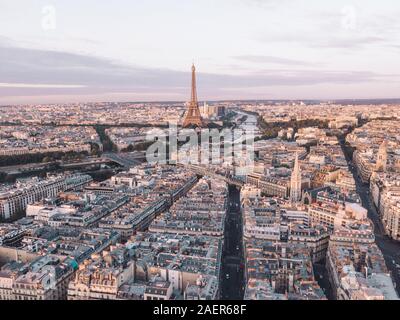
x=193, y=117
x=295, y=182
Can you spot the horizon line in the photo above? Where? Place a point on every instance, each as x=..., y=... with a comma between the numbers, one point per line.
x=394, y=100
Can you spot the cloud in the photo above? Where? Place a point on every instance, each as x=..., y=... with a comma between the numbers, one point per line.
x=33, y=85
x=346, y=26
x=347, y=40
x=268, y=4
x=32, y=72
x=272, y=60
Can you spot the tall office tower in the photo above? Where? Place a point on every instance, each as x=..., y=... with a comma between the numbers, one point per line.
x=295, y=182
x=193, y=117
x=382, y=157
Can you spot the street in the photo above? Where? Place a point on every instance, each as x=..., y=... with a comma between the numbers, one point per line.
x=390, y=248
x=232, y=270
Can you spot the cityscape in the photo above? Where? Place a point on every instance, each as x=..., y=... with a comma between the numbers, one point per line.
x=204, y=199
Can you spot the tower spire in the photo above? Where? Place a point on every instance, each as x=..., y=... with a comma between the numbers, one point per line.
x=194, y=89
x=193, y=117
x=295, y=181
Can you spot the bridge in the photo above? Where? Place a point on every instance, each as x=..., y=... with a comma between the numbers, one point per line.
x=229, y=179
x=125, y=159
x=83, y=163
x=22, y=168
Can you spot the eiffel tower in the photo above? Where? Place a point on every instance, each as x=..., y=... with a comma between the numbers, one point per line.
x=193, y=117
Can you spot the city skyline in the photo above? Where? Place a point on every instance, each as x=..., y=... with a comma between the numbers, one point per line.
x=205, y=153
x=244, y=49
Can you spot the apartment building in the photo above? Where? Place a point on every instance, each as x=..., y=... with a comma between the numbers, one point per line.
x=15, y=200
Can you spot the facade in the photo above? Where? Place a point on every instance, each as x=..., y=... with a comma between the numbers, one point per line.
x=284, y=269
x=205, y=288
x=359, y=272
x=201, y=212
x=101, y=277
x=382, y=157
x=385, y=192
x=269, y=185
x=391, y=214
x=46, y=278
x=16, y=201
x=158, y=290
x=263, y=219
x=365, y=164
x=295, y=182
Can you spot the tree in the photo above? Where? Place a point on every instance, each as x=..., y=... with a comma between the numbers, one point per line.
x=46, y=159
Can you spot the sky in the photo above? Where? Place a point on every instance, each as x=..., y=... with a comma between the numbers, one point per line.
x=131, y=50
